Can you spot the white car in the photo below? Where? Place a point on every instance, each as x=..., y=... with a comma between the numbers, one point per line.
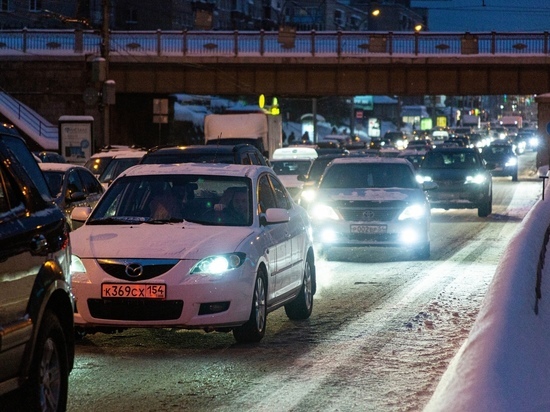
x=198, y=262
x=289, y=171
x=371, y=201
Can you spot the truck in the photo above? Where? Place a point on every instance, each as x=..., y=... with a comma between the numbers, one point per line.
x=263, y=130
x=508, y=121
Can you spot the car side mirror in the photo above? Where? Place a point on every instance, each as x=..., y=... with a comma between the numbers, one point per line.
x=81, y=213
x=274, y=215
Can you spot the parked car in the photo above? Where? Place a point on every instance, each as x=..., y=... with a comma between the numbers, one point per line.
x=371, y=201
x=71, y=186
x=36, y=304
x=462, y=178
x=118, y=163
x=501, y=160
x=50, y=157
x=99, y=161
x=246, y=154
x=229, y=248
x=288, y=171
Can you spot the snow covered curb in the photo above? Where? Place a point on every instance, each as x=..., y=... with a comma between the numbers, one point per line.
x=504, y=364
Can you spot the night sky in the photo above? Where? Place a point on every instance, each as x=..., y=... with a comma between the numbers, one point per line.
x=487, y=15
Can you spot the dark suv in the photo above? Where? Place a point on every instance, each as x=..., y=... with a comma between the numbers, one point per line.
x=239, y=154
x=36, y=305
x=462, y=178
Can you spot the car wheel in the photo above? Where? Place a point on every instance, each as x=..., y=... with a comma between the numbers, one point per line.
x=423, y=252
x=485, y=208
x=301, y=307
x=46, y=389
x=254, y=329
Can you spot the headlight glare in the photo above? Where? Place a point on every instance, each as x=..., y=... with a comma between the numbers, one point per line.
x=477, y=179
x=511, y=162
x=415, y=211
x=421, y=179
x=219, y=264
x=321, y=211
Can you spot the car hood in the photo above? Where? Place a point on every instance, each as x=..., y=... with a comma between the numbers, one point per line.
x=450, y=174
x=168, y=241
x=377, y=195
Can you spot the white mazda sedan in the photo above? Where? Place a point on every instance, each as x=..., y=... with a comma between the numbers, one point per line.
x=209, y=246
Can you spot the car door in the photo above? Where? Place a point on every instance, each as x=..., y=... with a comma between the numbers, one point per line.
x=296, y=237
x=278, y=252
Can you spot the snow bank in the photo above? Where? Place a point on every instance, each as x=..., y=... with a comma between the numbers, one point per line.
x=504, y=365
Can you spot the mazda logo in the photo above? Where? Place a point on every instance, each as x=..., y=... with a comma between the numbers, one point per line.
x=134, y=270
x=368, y=215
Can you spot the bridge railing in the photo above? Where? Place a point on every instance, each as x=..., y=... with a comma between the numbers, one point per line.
x=270, y=43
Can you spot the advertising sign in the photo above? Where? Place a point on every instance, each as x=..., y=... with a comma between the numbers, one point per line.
x=75, y=138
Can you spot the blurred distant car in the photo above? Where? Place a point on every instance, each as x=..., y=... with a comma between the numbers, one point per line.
x=462, y=178
x=119, y=162
x=196, y=266
x=288, y=171
x=371, y=201
x=71, y=186
x=501, y=160
x=414, y=156
x=396, y=138
x=530, y=137
x=422, y=144
x=50, y=157
x=245, y=154
x=99, y=161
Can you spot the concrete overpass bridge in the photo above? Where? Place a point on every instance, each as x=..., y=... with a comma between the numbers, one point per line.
x=50, y=70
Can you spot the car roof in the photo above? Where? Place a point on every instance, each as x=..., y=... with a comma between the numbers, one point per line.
x=211, y=148
x=129, y=155
x=213, y=169
x=59, y=167
x=370, y=159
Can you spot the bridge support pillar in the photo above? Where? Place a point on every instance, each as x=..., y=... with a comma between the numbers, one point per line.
x=543, y=118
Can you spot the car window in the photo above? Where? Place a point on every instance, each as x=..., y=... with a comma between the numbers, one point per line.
x=266, y=197
x=8, y=198
x=74, y=184
x=281, y=197
x=91, y=184
x=55, y=181
x=20, y=151
x=451, y=160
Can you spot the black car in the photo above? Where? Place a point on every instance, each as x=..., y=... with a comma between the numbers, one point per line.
x=36, y=304
x=462, y=178
x=238, y=154
x=501, y=160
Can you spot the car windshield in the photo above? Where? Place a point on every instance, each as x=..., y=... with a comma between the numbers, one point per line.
x=497, y=151
x=209, y=200
x=291, y=167
x=368, y=175
x=450, y=160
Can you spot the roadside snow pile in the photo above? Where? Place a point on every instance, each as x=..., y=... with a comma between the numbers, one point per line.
x=504, y=364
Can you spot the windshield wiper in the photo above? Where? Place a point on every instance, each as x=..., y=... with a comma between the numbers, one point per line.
x=115, y=220
x=164, y=221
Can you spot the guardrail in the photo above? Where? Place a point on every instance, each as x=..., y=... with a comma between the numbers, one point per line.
x=271, y=43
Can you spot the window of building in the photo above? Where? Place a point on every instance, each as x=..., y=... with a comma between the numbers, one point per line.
x=4, y=5
x=132, y=15
x=35, y=5
x=339, y=17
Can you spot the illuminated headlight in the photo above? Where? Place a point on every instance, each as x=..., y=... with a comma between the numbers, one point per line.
x=410, y=236
x=308, y=195
x=422, y=179
x=76, y=265
x=533, y=142
x=219, y=264
x=413, y=212
x=511, y=162
x=477, y=179
x=321, y=211
x=400, y=144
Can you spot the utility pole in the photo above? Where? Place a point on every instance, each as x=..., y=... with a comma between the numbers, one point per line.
x=105, y=46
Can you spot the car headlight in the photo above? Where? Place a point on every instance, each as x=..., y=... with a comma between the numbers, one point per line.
x=511, y=162
x=308, y=195
x=219, y=264
x=76, y=265
x=533, y=142
x=416, y=211
x=321, y=211
x=421, y=179
x=477, y=179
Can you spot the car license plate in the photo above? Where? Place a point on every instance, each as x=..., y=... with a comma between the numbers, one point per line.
x=133, y=291
x=368, y=229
